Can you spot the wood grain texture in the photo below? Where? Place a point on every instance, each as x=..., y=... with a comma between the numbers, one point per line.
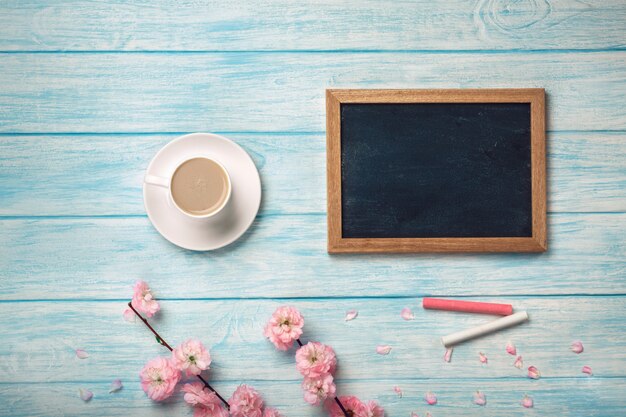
x=594, y=397
x=82, y=175
x=337, y=240
x=233, y=330
x=333, y=171
x=37, y=25
x=538, y=168
x=56, y=258
x=464, y=95
x=154, y=92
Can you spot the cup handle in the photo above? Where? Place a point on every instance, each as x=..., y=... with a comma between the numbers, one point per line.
x=158, y=181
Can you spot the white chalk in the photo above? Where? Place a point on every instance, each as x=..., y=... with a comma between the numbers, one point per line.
x=501, y=323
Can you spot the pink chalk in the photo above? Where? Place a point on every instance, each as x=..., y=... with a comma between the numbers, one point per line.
x=467, y=306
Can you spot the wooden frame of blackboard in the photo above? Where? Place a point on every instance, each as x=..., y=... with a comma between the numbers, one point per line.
x=535, y=243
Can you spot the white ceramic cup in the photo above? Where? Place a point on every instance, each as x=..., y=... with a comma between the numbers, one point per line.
x=166, y=182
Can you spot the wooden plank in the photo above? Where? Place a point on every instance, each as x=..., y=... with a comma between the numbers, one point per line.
x=155, y=92
x=233, y=331
x=55, y=258
x=311, y=24
x=571, y=151
x=589, y=397
x=102, y=175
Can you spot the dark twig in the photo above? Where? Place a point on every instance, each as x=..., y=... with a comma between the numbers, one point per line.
x=343, y=409
x=164, y=343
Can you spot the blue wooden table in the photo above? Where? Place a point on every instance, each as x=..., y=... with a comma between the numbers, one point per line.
x=89, y=91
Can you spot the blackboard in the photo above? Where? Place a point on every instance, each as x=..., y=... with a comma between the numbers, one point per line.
x=436, y=170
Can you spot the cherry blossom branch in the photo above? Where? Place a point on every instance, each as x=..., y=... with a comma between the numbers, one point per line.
x=343, y=409
x=317, y=363
x=164, y=343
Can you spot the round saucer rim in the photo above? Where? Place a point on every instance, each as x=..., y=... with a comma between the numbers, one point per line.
x=243, y=229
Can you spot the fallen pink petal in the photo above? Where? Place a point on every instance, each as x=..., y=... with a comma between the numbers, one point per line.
x=448, y=355
x=519, y=363
x=414, y=414
x=479, y=398
x=398, y=391
x=482, y=358
x=533, y=373
x=81, y=354
x=85, y=394
x=527, y=402
x=407, y=314
x=430, y=398
x=129, y=315
x=577, y=347
x=510, y=349
x=351, y=315
x=383, y=349
x=116, y=385
x=587, y=370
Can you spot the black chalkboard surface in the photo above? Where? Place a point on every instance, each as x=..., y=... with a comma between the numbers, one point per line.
x=414, y=174
x=436, y=170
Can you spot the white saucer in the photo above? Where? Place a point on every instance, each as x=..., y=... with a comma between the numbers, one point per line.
x=221, y=229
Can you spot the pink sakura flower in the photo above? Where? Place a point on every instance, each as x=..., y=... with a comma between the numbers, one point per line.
x=519, y=362
x=218, y=411
x=315, y=359
x=159, y=378
x=284, y=327
x=271, y=412
x=318, y=389
x=533, y=373
x=246, y=402
x=510, y=349
x=527, y=402
x=407, y=314
x=195, y=394
x=352, y=404
x=577, y=347
x=587, y=370
x=448, y=355
x=205, y=402
x=372, y=409
x=143, y=300
x=430, y=398
x=398, y=391
x=482, y=358
x=479, y=398
x=191, y=357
